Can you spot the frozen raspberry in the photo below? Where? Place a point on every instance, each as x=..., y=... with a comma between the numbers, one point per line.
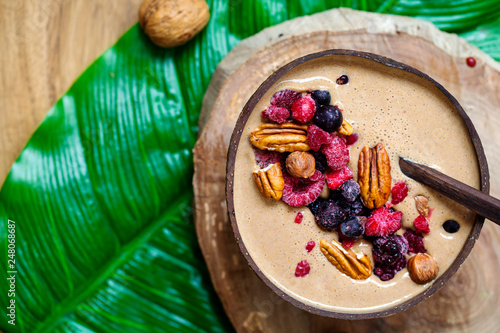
x=383, y=221
x=276, y=114
x=303, y=109
x=422, y=224
x=265, y=158
x=316, y=137
x=350, y=190
x=299, y=217
x=388, y=255
x=415, y=241
x=302, y=269
x=285, y=98
x=399, y=192
x=336, y=178
x=310, y=245
x=336, y=152
x=329, y=216
x=351, y=139
x=302, y=191
x=348, y=242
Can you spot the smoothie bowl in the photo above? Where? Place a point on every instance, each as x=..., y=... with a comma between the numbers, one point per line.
x=317, y=201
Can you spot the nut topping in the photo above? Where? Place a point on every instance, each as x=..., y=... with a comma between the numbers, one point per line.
x=287, y=137
x=346, y=260
x=422, y=204
x=270, y=181
x=345, y=128
x=422, y=268
x=300, y=164
x=374, y=176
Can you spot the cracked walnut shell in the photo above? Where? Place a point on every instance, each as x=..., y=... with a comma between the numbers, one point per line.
x=270, y=181
x=346, y=260
x=287, y=137
x=374, y=176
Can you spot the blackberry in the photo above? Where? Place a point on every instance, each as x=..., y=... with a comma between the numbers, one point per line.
x=329, y=216
x=415, y=241
x=388, y=255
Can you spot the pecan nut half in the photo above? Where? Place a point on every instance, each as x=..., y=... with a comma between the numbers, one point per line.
x=374, y=176
x=270, y=181
x=346, y=260
x=287, y=137
x=345, y=128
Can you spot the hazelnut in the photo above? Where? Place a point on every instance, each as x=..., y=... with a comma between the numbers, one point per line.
x=422, y=268
x=300, y=164
x=172, y=23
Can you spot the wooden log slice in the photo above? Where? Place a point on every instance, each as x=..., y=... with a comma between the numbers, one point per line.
x=469, y=301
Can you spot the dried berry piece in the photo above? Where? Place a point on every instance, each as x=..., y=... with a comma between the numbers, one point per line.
x=415, y=241
x=276, y=114
x=383, y=222
x=343, y=79
x=336, y=152
x=310, y=245
x=303, y=109
x=302, y=269
x=451, y=226
x=422, y=224
x=285, y=98
x=302, y=191
x=335, y=179
x=399, y=192
x=317, y=137
x=298, y=218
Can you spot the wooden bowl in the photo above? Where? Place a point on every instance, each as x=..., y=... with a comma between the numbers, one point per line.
x=233, y=147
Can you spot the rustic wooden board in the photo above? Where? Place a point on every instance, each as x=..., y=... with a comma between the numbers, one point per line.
x=46, y=45
x=469, y=302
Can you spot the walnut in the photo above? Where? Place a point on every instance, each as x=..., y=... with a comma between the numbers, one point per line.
x=287, y=137
x=300, y=164
x=422, y=268
x=422, y=204
x=172, y=23
x=270, y=181
x=345, y=128
x=374, y=176
x=346, y=260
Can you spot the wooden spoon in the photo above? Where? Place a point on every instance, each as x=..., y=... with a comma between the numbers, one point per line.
x=467, y=196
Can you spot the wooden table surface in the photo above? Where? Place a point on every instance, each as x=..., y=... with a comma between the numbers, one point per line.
x=45, y=46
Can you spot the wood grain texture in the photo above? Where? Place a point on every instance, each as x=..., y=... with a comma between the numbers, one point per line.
x=46, y=45
x=470, y=300
x=464, y=194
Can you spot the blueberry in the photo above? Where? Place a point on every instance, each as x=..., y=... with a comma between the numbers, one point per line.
x=350, y=190
x=328, y=118
x=329, y=215
x=352, y=228
x=451, y=226
x=321, y=97
x=343, y=79
x=316, y=205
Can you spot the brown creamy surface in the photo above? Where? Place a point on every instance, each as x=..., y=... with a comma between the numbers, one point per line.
x=411, y=118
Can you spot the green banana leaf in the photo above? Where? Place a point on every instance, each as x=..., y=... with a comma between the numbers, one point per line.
x=101, y=195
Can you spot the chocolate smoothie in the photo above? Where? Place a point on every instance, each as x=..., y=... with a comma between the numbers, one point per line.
x=412, y=118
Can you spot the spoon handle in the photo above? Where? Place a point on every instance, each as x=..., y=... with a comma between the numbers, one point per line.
x=467, y=196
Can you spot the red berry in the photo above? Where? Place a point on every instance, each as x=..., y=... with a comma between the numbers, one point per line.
x=383, y=222
x=336, y=178
x=285, y=98
x=264, y=158
x=316, y=137
x=299, y=217
x=310, y=246
x=303, y=109
x=302, y=269
x=415, y=241
x=302, y=191
x=276, y=114
x=351, y=139
x=471, y=61
x=422, y=224
x=399, y=192
x=336, y=152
